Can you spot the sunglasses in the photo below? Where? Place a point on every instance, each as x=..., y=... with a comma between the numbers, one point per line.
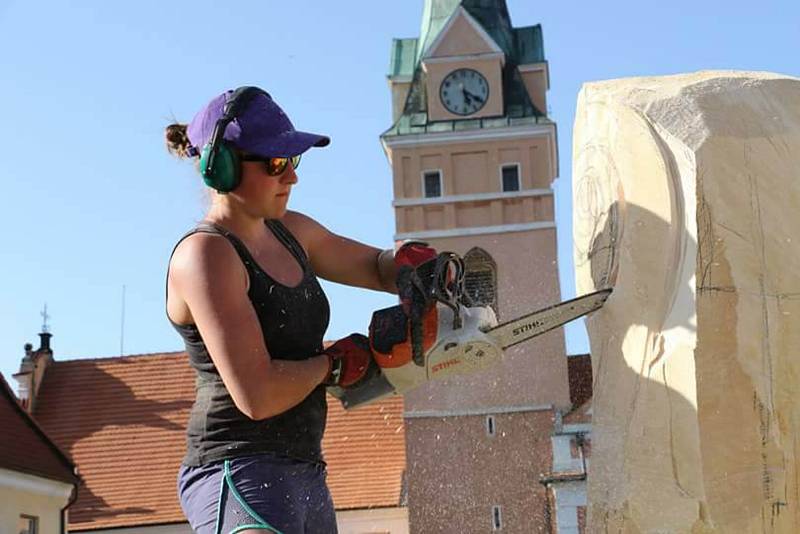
x=275, y=166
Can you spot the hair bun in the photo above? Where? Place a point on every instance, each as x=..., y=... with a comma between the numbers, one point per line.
x=177, y=140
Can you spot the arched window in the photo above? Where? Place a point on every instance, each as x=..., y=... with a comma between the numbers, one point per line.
x=480, y=280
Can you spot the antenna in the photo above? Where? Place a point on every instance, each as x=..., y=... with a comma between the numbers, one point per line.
x=122, y=325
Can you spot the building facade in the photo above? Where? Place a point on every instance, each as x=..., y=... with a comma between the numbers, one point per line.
x=38, y=482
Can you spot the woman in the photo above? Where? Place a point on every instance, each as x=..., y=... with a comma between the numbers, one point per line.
x=242, y=291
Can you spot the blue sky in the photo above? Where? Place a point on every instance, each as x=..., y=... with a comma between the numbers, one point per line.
x=93, y=202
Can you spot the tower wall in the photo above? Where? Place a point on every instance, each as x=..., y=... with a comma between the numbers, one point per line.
x=458, y=474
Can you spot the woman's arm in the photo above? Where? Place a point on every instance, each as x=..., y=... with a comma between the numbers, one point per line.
x=343, y=260
x=213, y=282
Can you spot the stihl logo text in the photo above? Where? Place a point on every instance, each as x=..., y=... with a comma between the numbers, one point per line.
x=444, y=365
x=527, y=327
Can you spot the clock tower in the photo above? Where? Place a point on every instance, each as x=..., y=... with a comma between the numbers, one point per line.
x=473, y=156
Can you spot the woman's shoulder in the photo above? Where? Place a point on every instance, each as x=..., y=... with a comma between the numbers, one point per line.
x=203, y=252
x=304, y=228
x=294, y=220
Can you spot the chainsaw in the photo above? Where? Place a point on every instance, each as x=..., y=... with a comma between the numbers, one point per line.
x=452, y=337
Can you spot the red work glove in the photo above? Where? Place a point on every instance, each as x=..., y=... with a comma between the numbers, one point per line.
x=348, y=360
x=413, y=254
x=414, y=258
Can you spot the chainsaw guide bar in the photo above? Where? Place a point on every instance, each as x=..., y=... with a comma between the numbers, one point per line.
x=534, y=324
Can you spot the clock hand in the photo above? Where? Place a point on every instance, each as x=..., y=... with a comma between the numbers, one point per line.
x=472, y=97
x=468, y=97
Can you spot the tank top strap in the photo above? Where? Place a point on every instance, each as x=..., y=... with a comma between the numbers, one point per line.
x=288, y=239
x=211, y=228
x=207, y=228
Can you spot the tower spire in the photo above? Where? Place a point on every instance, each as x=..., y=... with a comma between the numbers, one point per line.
x=491, y=14
x=45, y=317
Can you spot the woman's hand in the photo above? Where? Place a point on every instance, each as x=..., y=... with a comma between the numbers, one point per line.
x=411, y=259
x=413, y=254
x=349, y=360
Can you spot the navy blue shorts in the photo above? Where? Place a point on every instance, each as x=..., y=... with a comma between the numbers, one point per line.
x=265, y=492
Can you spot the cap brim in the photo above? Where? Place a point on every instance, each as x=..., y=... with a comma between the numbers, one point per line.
x=287, y=144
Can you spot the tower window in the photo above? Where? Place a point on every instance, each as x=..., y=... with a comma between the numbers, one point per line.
x=432, y=183
x=480, y=279
x=510, y=176
x=497, y=518
x=490, y=425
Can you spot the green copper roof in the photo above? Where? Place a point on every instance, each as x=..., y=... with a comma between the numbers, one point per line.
x=491, y=14
x=521, y=46
x=418, y=124
x=403, y=57
x=519, y=109
x=528, y=45
x=434, y=16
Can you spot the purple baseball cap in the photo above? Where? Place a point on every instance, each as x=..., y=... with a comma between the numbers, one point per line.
x=260, y=128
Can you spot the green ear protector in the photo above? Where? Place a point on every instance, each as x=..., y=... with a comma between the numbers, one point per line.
x=219, y=162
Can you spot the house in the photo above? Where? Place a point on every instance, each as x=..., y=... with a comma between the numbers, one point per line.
x=565, y=483
x=38, y=481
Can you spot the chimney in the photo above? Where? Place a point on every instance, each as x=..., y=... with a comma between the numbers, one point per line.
x=44, y=341
x=32, y=369
x=24, y=377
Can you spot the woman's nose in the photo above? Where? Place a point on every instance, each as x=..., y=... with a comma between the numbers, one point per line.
x=290, y=176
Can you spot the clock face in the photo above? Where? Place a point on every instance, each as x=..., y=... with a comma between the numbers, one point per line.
x=464, y=91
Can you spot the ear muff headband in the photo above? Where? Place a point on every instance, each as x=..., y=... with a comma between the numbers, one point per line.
x=219, y=163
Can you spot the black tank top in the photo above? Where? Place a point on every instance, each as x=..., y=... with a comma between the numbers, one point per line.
x=293, y=321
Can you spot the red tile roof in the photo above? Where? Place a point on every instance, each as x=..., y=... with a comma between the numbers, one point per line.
x=25, y=447
x=123, y=421
x=366, y=453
